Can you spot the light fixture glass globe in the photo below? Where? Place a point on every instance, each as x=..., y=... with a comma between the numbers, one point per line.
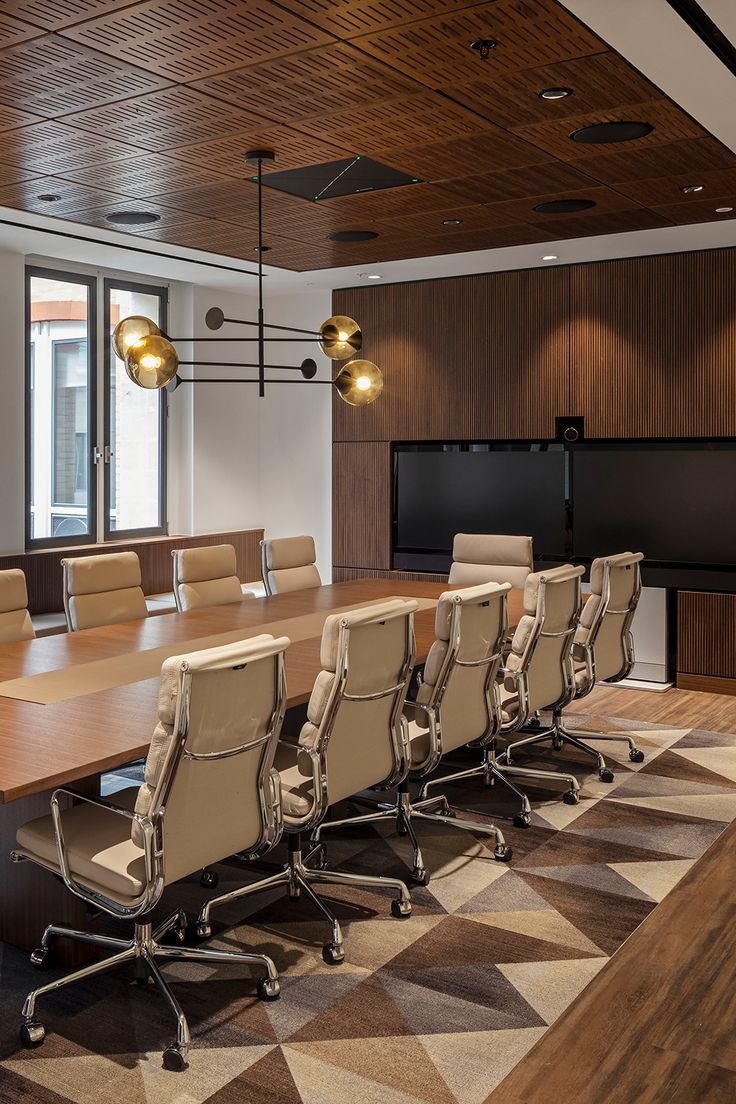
x=129, y=331
x=359, y=382
x=152, y=362
x=340, y=337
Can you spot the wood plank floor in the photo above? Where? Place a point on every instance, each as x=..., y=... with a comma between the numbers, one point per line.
x=656, y=1025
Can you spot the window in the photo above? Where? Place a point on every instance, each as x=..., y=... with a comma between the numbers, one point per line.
x=90, y=458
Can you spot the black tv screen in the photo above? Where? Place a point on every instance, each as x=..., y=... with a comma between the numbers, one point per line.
x=673, y=502
x=479, y=489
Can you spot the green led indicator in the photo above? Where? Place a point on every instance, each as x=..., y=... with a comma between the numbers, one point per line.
x=357, y=157
x=415, y=180
x=254, y=178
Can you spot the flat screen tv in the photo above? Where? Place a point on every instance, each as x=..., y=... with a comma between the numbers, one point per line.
x=444, y=489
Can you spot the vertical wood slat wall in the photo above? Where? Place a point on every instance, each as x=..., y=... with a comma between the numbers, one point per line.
x=640, y=347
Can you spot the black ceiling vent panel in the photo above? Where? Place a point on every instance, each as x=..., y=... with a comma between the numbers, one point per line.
x=349, y=176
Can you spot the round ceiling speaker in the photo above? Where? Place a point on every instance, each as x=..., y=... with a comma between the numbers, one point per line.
x=352, y=235
x=132, y=218
x=601, y=134
x=564, y=206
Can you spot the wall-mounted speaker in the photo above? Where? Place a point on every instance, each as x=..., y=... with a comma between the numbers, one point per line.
x=570, y=429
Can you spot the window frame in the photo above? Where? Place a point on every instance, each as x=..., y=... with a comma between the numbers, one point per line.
x=162, y=528
x=70, y=277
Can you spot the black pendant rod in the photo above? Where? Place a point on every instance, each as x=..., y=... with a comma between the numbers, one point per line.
x=271, y=326
x=234, y=339
x=239, y=364
x=254, y=379
x=261, y=338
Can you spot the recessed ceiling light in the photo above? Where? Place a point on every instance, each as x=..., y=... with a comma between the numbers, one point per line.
x=352, y=235
x=564, y=206
x=264, y=248
x=48, y=197
x=452, y=222
x=689, y=189
x=549, y=257
x=132, y=218
x=555, y=93
x=723, y=210
x=369, y=276
x=599, y=134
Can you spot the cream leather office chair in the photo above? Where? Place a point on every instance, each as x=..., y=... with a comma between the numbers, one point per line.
x=210, y=791
x=102, y=590
x=490, y=558
x=206, y=577
x=454, y=706
x=289, y=564
x=355, y=737
x=15, y=621
x=603, y=650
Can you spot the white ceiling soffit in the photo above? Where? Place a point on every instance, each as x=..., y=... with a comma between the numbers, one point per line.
x=654, y=38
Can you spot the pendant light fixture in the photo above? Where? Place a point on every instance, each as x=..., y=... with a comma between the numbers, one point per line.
x=151, y=359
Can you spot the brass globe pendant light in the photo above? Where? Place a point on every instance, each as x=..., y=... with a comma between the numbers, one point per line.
x=152, y=362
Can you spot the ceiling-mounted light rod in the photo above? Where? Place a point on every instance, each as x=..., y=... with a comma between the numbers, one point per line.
x=308, y=367
x=215, y=319
x=232, y=340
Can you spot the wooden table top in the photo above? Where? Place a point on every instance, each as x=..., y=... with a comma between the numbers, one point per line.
x=42, y=746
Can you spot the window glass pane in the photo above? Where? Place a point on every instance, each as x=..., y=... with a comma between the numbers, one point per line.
x=135, y=429
x=60, y=408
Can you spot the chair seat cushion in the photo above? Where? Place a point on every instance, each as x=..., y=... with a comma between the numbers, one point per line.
x=99, y=846
x=419, y=745
x=509, y=704
x=297, y=790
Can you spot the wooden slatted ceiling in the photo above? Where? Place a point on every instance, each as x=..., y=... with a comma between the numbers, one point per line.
x=108, y=101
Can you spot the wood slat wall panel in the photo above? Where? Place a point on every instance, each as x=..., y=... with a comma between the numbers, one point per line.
x=706, y=634
x=361, y=488
x=652, y=345
x=43, y=568
x=347, y=574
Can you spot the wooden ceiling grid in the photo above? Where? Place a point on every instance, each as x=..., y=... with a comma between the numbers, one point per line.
x=150, y=105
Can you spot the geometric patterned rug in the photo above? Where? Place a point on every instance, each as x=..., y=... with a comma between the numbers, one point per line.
x=436, y=1009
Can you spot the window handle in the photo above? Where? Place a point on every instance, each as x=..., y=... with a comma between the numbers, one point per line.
x=108, y=454
x=96, y=455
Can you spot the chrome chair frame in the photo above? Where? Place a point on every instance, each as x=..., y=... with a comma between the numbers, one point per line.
x=297, y=876
x=557, y=732
x=264, y=570
x=145, y=947
x=404, y=810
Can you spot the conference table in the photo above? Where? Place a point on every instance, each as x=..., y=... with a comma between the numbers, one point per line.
x=75, y=705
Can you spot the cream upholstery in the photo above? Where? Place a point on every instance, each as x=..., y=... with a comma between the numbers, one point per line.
x=605, y=622
x=211, y=808
x=490, y=558
x=470, y=626
x=103, y=590
x=206, y=577
x=15, y=621
x=365, y=652
x=289, y=564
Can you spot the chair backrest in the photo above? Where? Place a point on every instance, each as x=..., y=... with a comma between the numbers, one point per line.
x=209, y=767
x=15, y=621
x=605, y=624
x=289, y=564
x=354, y=716
x=460, y=673
x=102, y=590
x=541, y=649
x=206, y=577
x=490, y=558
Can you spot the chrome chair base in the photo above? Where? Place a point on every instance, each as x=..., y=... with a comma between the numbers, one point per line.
x=299, y=878
x=494, y=768
x=404, y=811
x=143, y=950
x=560, y=735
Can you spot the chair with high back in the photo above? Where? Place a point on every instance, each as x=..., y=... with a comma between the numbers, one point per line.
x=103, y=590
x=455, y=706
x=603, y=650
x=15, y=621
x=490, y=558
x=355, y=738
x=210, y=791
x=289, y=564
x=206, y=577
x=537, y=674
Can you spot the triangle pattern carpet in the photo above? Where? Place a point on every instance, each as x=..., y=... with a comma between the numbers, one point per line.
x=435, y=1009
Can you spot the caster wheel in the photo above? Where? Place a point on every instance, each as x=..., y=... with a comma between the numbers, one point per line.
x=636, y=756
x=570, y=797
x=141, y=973
x=420, y=876
x=179, y=932
x=522, y=820
x=294, y=894
x=174, y=1060
x=333, y=954
x=449, y=813
x=503, y=854
x=401, y=909
x=557, y=745
x=203, y=931
x=605, y=775
x=32, y=1033
x=269, y=989
x=41, y=958
x=400, y=828
x=209, y=879
x=320, y=858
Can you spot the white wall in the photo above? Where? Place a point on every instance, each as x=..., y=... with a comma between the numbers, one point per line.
x=12, y=403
